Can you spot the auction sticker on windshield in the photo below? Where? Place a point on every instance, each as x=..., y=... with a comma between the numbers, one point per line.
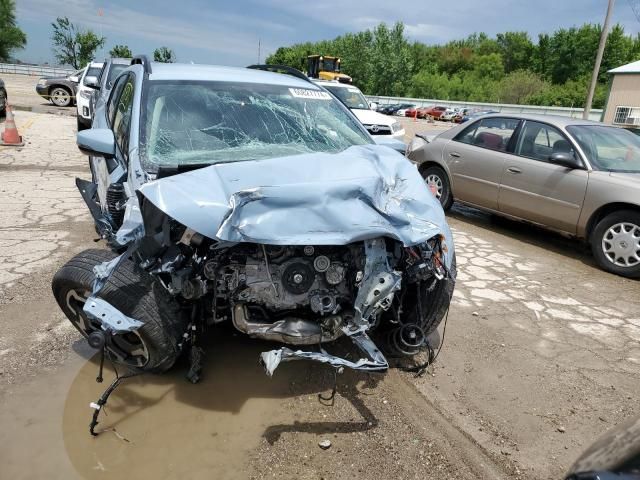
x=309, y=94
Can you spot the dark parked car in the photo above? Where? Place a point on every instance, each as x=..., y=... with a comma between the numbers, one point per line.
x=3, y=98
x=392, y=109
x=61, y=91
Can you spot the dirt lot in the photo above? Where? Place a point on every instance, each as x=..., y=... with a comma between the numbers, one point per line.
x=541, y=355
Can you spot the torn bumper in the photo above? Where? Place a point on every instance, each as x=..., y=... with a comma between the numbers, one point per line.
x=372, y=361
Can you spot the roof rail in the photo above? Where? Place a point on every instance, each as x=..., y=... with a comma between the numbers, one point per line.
x=142, y=60
x=281, y=69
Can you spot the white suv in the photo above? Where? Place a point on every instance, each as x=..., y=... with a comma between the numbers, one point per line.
x=377, y=124
x=83, y=96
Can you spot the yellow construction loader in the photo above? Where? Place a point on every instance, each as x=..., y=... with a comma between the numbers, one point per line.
x=325, y=67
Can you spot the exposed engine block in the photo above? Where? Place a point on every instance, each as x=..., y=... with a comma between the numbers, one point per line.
x=291, y=278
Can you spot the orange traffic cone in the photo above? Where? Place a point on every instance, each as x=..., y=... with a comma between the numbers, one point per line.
x=10, y=137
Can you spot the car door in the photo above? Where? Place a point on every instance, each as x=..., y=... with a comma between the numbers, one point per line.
x=118, y=119
x=475, y=158
x=537, y=190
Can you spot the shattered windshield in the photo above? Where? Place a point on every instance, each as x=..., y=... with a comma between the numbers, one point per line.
x=609, y=148
x=208, y=122
x=350, y=96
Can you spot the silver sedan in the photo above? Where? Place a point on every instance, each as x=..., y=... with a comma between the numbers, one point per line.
x=577, y=177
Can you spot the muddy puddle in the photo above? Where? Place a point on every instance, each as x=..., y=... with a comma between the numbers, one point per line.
x=158, y=426
x=164, y=427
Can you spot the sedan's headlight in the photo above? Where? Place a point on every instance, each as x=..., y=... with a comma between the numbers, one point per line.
x=396, y=127
x=86, y=94
x=42, y=81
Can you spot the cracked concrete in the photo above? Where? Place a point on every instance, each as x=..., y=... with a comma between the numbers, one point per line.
x=538, y=338
x=541, y=355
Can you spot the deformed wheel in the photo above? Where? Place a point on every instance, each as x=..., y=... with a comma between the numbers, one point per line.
x=154, y=346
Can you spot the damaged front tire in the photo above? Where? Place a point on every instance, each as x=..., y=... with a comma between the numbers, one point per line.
x=152, y=347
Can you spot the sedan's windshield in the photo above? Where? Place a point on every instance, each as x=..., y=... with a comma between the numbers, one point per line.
x=209, y=122
x=609, y=148
x=350, y=96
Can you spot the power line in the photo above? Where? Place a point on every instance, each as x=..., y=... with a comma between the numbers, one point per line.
x=635, y=6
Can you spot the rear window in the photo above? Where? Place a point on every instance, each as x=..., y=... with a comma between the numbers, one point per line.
x=493, y=133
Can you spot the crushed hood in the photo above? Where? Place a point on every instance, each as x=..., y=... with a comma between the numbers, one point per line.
x=310, y=199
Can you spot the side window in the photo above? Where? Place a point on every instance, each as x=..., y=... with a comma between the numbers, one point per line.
x=468, y=134
x=122, y=115
x=539, y=140
x=113, y=99
x=492, y=133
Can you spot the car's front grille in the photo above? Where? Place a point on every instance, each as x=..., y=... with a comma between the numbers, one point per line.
x=378, y=129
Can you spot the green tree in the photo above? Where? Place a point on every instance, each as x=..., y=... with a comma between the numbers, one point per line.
x=163, y=55
x=518, y=86
x=11, y=37
x=516, y=49
x=72, y=46
x=390, y=60
x=120, y=51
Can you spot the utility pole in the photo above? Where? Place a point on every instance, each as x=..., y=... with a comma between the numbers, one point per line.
x=258, y=51
x=596, y=67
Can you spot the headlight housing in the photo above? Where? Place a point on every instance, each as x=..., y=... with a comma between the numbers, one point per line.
x=396, y=127
x=42, y=81
x=86, y=94
x=415, y=144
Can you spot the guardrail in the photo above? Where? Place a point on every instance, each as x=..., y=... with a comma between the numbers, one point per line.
x=595, y=114
x=35, y=70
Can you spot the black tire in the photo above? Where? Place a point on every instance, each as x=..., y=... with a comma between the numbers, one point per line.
x=80, y=124
x=3, y=101
x=598, y=242
x=434, y=304
x=60, y=96
x=444, y=187
x=136, y=295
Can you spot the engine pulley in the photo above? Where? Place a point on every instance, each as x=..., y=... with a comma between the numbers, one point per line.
x=298, y=277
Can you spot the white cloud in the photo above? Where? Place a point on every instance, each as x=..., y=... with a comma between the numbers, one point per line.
x=219, y=33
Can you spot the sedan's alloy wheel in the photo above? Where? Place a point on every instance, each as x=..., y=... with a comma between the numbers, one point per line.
x=621, y=244
x=434, y=182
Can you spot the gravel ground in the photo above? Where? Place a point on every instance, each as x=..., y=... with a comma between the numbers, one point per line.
x=541, y=355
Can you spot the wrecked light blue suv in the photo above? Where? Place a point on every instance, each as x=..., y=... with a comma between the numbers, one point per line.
x=253, y=197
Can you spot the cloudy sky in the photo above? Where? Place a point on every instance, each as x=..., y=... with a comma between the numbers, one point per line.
x=228, y=32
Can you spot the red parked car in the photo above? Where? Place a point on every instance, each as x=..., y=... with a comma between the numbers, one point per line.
x=423, y=112
x=435, y=112
x=410, y=112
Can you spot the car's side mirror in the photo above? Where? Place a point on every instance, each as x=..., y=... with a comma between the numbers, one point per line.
x=97, y=142
x=91, y=82
x=565, y=159
x=373, y=105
